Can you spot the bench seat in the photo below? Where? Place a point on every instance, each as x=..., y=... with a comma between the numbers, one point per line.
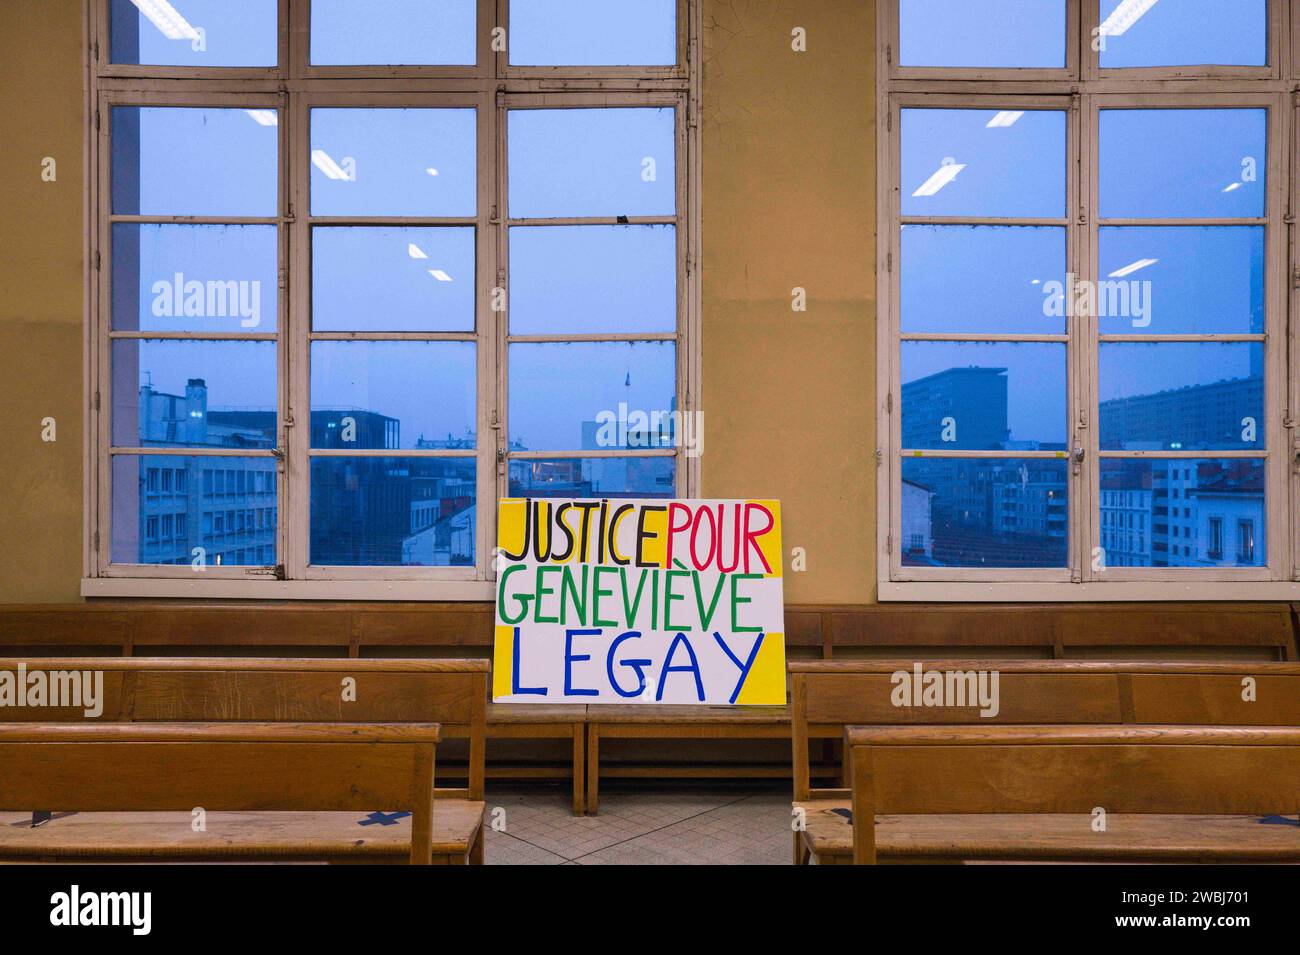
x=1051, y=837
x=239, y=836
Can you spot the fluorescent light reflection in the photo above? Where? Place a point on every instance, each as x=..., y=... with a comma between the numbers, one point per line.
x=440, y=275
x=1004, y=119
x=264, y=117
x=415, y=252
x=167, y=19
x=1126, y=14
x=1132, y=267
x=322, y=161
x=942, y=176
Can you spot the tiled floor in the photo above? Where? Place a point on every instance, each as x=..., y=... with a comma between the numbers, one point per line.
x=651, y=826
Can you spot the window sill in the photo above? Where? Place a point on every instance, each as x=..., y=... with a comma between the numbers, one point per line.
x=1050, y=592
x=231, y=589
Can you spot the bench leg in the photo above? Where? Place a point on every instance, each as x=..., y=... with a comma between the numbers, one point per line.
x=579, y=769
x=593, y=769
x=476, y=850
x=800, y=852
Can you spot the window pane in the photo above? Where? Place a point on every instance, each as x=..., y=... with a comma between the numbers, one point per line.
x=983, y=396
x=983, y=162
x=1188, y=32
x=395, y=512
x=1179, y=512
x=1172, y=395
x=593, y=33
x=586, y=279
x=593, y=477
x=561, y=394
x=1182, y=162
x=966, y=512
x=194, y=278
x=172, y=160
x=390, y=395
x=1181, y=279
x=405, y=32
x=193, y=32
x=393, y=162
x=392, y=279
x=975, y=33
x=991, y=279
x=592, y=162
x=193, y=394
x=193, y=510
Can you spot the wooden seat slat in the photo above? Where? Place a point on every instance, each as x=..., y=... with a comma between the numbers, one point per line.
x=1145, y=837
x=328, y=836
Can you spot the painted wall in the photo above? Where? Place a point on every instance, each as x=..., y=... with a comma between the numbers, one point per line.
x=41, y=279
x=788, y=201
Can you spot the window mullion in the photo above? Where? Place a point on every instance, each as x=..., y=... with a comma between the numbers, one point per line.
x=297, y=345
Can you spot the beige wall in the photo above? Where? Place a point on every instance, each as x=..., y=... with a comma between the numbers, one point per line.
x=789, y=172
x=788, y=201
x=41, y=228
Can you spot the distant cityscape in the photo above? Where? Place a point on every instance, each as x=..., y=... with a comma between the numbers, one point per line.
x=365, y=510
x=1195, y=511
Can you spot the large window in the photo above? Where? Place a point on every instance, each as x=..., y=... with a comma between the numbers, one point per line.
x=1086, y=388
x=359, y=270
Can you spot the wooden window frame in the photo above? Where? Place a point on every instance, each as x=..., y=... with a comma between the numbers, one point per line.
x=293, y=87
x=1089, y=89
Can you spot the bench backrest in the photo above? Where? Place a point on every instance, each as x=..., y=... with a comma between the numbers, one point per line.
x=827, y=696
x=232, y=767
x=452, y=693
x=1069, y=769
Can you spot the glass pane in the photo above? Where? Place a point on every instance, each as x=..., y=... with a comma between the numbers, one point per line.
x=392, y=279
x=392, y=512
x=1170, y=395
x=1186, y=32
x=981, y=396
x=593, y=477
x=981, y=162
x=991, y=279
x=193, y=394
x=399, y=32
x=593, y=33
x=592, y=162
x=195, y=510
x=1181, y=280
x=193, y=32
x=985, y=512
x=392, y=395
x=591, y=278
x=1177, y=512
x=393, y=162
x=567, y=395
x=170, y=160
x=987, y=33
x=1182, y=162
x=194, y=278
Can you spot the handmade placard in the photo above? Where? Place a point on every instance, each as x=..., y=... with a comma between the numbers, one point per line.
x=639, y=601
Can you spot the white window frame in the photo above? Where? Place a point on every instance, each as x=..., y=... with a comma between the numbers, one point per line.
x=292, y=88
x=1084, y=89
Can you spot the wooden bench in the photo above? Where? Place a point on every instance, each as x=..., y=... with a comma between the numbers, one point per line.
x=1033, y=793
x=678, y=723
x=452, y=693
x=828, y=696
x=131, y=776
x=511, y=721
